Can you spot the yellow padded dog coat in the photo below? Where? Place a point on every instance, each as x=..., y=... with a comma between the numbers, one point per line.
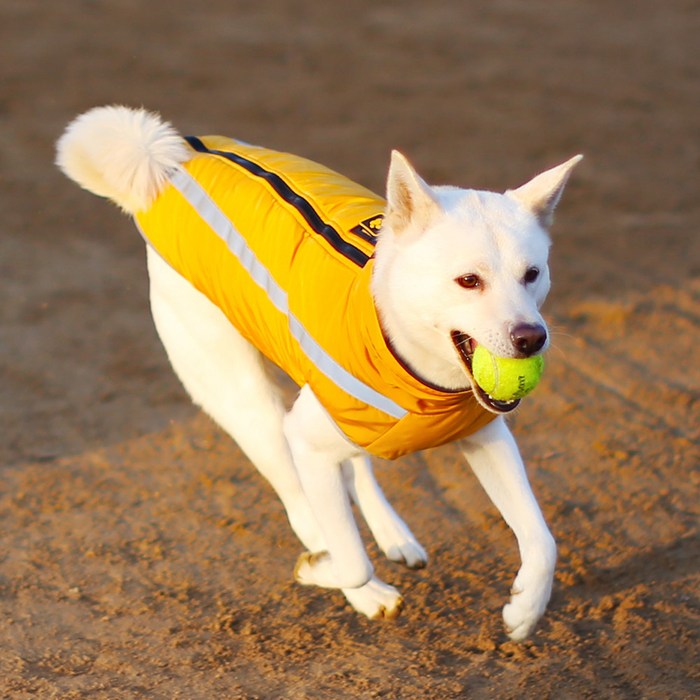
x=283, y=246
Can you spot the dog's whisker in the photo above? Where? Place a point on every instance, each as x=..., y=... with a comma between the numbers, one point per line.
x=560, y=334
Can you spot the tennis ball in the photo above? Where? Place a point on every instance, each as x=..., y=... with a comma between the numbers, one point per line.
x=505, y=378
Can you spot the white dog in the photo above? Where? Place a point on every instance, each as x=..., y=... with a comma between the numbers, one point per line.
x=254, y=251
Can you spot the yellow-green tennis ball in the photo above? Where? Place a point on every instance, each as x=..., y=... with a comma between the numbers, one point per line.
x=506, y=378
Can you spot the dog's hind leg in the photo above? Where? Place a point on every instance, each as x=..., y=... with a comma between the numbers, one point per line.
x=225, y=375
x=391, y=533
x=319, y=449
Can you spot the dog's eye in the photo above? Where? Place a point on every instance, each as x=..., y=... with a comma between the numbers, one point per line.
x=469, y=281
x=531, y=274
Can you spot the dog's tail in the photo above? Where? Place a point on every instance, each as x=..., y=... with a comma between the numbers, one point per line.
x=124, y=154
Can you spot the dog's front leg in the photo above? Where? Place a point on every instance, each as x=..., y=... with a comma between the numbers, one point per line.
x=495, y=459
x=318, y=448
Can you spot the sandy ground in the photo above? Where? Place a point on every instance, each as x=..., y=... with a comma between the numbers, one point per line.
x=141, y=555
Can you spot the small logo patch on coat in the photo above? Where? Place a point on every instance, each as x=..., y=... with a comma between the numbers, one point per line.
x=369, y=228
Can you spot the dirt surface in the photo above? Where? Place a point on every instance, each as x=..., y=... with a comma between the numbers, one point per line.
x=143, y=557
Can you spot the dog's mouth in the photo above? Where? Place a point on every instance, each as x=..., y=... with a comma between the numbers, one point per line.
x=465, y=346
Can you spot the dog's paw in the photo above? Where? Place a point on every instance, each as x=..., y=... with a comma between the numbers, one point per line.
x=529, y=597
x=376, y=599
x=399, y=544
x=408, y=552
x=316, y=569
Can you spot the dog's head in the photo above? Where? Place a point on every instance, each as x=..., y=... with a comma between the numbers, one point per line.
x=456, y=268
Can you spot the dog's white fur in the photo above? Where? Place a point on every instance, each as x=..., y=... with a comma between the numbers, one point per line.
x=432, y=236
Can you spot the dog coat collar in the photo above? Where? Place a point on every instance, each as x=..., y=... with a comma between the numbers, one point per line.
x=283, y=246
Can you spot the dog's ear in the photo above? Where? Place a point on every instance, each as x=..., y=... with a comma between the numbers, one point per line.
x=541, y=195
x=410, y=200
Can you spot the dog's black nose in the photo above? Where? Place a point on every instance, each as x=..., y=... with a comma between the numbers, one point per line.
x=528, y=338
